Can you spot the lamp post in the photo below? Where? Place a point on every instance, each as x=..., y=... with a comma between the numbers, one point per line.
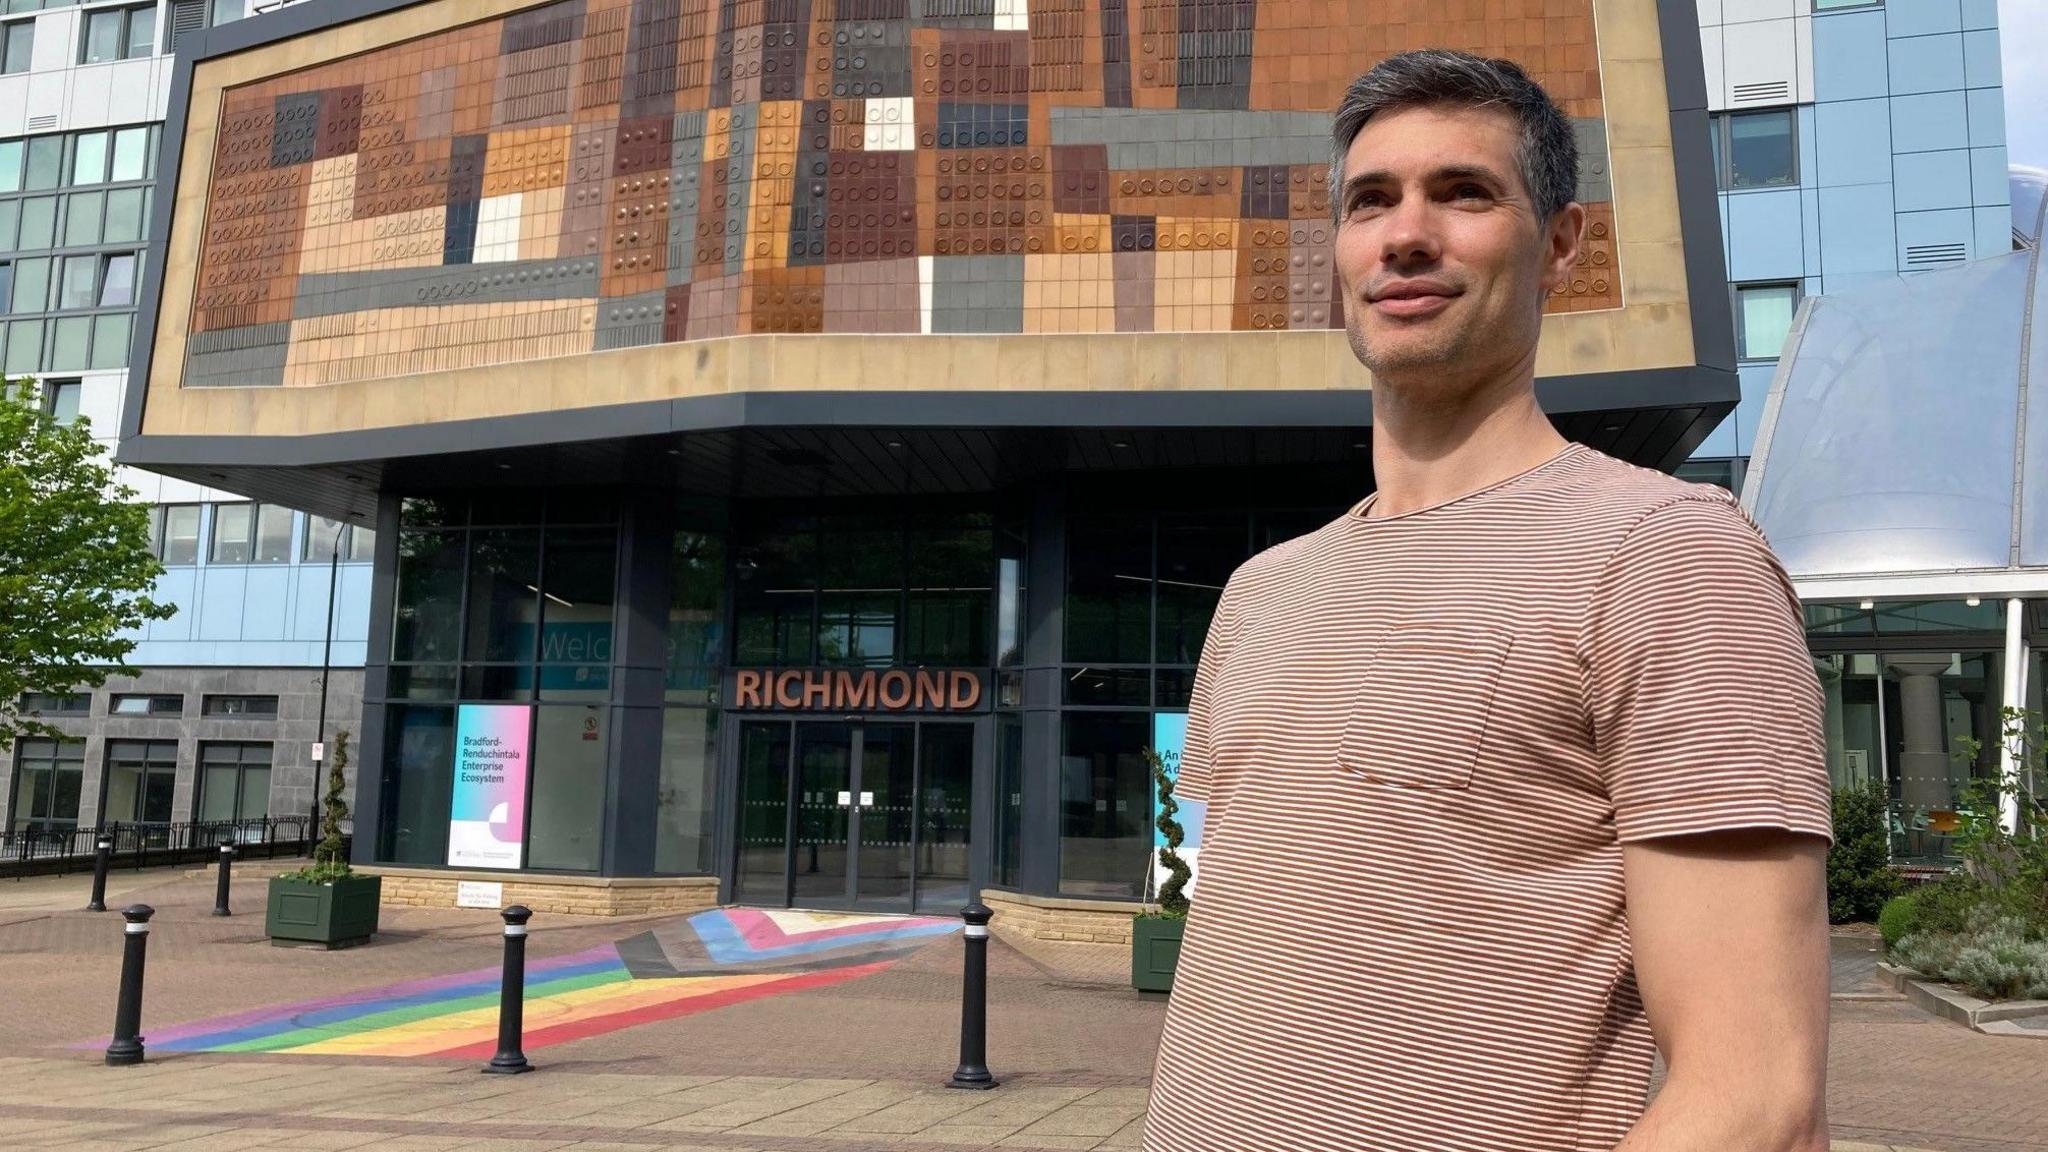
x=326, y=666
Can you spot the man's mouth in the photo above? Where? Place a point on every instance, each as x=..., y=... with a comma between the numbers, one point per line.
x=1409, y=299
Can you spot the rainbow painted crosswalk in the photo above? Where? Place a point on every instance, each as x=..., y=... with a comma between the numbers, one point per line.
x=710, y=960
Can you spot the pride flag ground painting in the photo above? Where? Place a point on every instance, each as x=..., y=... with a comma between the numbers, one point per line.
x=710, y=960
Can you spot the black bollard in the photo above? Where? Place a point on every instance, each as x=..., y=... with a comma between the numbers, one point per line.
x=102, y=855
x=220, y=887
x=512, y=996
x=973, y=1071
x=127, y=1045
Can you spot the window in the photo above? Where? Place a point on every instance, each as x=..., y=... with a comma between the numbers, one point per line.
x=251, y=534
x=357, y=543
x=38, y=225
x=1724, y=473
x=1755, y=149
x=10, y=165
x=141, y=777
x=118, y=34
x=131, y=154
x=117, y=280
x=89, y=157
x=174, y=533
x=56, y=703
x=45, y=162
x=146, y=704
x=46, y=784
x=234, y=781
x=97, y=280
x=60, y=399
x=1831, y=5
x=6, y=283
x=265, y=706
x=17, y=44
x=1763, y=318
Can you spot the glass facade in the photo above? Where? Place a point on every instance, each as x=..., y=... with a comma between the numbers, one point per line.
x=47, y=778
x=141, y=777
x=1913, y=692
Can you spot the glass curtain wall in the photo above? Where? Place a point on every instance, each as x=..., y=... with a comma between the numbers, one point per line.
x=685, y=813
x=503, y=599
x=47, y=776
x=1913, y=692
x=867, y=591
x=1142, y=591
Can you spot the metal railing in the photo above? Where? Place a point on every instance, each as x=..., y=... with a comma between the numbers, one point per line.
x=35, y=850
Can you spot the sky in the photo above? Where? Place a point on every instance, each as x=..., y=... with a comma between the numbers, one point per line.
x=2023, y=44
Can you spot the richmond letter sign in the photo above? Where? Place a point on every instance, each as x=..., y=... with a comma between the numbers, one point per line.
x=858, y=689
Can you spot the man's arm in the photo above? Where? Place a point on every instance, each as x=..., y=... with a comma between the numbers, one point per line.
x=1729, y=931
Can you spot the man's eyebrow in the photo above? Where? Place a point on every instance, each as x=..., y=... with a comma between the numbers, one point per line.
x=1478, y=172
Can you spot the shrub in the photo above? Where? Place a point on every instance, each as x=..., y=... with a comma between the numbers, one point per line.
x=1898, y=919
x=1172, y=903
x=1995, y=956
x=1860, y=876
x=328, y=863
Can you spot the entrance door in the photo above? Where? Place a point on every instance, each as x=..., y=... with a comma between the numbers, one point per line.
x=868, y=816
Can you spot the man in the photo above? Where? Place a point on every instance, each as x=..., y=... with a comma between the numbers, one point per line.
x=1517, y=765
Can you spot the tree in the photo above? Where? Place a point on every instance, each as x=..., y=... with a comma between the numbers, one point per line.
x=75, y=561
x=1172, y=902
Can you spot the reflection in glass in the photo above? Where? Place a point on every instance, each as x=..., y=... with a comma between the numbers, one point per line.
x=131, y=154
x=82, y=218
x=47, y=775
x=89, y=153
x=696, y=613
x=684, y=813
x=1010, y=592
x=141, y=775
x=1766, y=318
x=1009, y=798
x=1196, y=557
x=110, y=340
x=419, y=778
x=231, y=527
x=775, y=594
x=504, y=594
x=117, y=286
x=1105, y=803
x=576, y=600
x=761, y=874
x=103, y=35
x=181, y=534
x=951, y=559
x=945, y=815
x=861, y=590
x=565, y=819
x=824, y=756
x=38, y=230
x=70, y=339
x=273, y=534
x=1760, y=149
x=428, y=610
x=1109, y=590
x=888, y=805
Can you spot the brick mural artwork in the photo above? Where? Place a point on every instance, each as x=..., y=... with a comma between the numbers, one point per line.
x=596, y=174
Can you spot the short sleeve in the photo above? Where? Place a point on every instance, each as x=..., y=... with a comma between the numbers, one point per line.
x=1197, y=777
x=1705, y=710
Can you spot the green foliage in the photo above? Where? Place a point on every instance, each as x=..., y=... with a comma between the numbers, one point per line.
x=1172, y=903
x=1985, y=927
x=334, y=809
x=75, y=561
x=323, y=873
x=1860, y=875
x=1996, y=956
x=1898, y=919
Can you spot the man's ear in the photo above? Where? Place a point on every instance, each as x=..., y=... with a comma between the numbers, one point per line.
x=1562, y=237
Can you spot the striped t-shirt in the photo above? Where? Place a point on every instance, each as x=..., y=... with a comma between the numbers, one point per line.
x=1423, y=740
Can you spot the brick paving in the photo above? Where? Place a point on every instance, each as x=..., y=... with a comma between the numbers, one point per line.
x=855, y=1067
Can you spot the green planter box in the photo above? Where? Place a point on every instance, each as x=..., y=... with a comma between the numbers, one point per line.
x=1155, y=951
x=336, y=915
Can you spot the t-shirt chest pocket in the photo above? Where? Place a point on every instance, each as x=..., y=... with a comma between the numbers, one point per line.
x=1419, y=714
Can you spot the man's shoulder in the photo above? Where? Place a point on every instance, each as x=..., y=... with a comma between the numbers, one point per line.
x=1606, y=490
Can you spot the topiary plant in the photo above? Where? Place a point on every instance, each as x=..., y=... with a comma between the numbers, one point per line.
x=1899, y=919
x=1172, y=903
x=329, y=861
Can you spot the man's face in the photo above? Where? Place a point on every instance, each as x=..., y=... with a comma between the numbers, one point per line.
x=1443, y=258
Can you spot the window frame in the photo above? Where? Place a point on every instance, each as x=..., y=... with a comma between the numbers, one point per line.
x=208, y=756
x=1823, y=7
x=159, y=522
x=8, y=30
x=63, y=708
x=150, y=707
x=320, y=530
x=1735, y=291
x=215, y=705
x=54, y=387
x=41, y=754
x=124, y=15
x=1722, y=125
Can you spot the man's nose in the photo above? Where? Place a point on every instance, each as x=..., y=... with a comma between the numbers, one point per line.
x=1409, y=234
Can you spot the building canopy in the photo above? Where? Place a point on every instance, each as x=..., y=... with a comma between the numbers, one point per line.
x=1906, y=434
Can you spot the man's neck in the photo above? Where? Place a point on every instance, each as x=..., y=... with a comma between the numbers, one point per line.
x=1427, y=454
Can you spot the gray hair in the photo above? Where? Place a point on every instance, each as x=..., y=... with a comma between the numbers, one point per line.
x=1549, y=152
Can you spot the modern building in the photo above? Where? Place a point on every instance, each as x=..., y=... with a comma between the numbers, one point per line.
x=1900, y=474
x=1854, y=141
x=220, y=722
x=805, y=441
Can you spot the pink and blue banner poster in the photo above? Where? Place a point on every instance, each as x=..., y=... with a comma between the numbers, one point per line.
x=1169, y=737
x=487, y=814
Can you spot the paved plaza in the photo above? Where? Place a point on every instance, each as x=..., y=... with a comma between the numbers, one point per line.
x=851, y=1065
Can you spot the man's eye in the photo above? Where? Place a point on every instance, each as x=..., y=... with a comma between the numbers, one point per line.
x=1368, y=200
x=1470, y=192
